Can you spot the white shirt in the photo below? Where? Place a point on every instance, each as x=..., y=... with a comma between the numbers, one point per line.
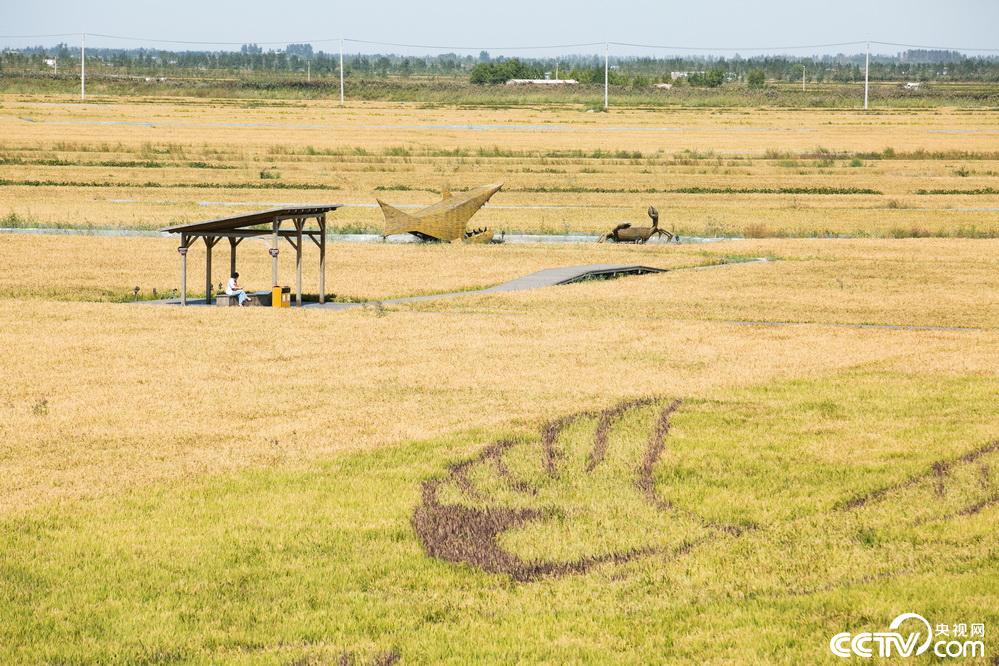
x=230, y=286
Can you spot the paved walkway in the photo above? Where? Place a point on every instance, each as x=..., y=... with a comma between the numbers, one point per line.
x=546, y=278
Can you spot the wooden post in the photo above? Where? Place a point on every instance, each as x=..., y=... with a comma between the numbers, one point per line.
x=233, y=242
x=209, y=244
x=322, y=258
x=183, y=268
x=274, y=254
x=299, y=223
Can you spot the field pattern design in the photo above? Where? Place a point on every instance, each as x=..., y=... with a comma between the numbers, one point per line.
x=488, y=510
x=470, y=534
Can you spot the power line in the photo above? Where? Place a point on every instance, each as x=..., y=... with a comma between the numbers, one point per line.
x=58, y=34
x=538, y=47
x=474, y=48
x=936, y=48
x=308, y=41
x=730, y=48
x=202, y=43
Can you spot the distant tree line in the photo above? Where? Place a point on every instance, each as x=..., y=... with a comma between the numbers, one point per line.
x=912, y=65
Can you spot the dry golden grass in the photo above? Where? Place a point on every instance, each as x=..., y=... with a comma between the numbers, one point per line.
x=109, y=396
x=102, y=268
x=98, y=397
x=377, y=145
x=910, y=282
x=174, y=484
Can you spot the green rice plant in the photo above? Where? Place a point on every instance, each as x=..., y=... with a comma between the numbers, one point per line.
x=974, y=191
x=15, y=221
x=154, y=184
x=589, y=518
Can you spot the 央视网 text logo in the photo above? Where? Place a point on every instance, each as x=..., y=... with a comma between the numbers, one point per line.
x=910, y=635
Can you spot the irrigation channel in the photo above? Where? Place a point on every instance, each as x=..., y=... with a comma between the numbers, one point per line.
x=355, y=238
x=466, y=127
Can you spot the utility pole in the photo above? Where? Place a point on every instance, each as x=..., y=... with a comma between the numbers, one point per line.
x=83, y=65
x=802, y=78
x=606, y=75
x=308, y=71
x=341, y=71
x=867, y=72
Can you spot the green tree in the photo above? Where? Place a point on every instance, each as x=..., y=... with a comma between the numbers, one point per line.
x=501, y=71
x=712, y=78
x=755, y=78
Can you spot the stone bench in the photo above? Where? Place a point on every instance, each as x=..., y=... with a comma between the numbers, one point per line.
x=256, y=298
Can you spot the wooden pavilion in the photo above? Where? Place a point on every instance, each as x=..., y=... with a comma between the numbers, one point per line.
x=255, y=225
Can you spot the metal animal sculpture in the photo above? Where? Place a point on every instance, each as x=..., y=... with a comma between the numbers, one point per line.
x=445, y=220
x=625, y=233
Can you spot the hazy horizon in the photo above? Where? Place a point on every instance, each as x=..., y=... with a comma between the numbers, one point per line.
x=721, y=28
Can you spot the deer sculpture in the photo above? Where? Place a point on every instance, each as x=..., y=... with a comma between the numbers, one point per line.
x=625, y=233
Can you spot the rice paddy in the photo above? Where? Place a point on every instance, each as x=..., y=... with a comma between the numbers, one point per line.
x=729, y=461
x=127, y=162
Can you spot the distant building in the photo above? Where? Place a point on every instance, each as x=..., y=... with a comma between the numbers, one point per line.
x=542, y=82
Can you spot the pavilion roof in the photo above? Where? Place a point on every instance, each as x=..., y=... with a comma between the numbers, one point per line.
x=247, y=220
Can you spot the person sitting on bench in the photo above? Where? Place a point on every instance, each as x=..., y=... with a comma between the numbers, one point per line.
x=232, y=288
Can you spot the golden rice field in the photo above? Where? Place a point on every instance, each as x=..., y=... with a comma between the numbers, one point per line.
x=143, y=163
x=728, y=462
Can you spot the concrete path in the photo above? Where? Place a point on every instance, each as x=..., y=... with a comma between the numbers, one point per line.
x=548, y=277
x=545, y=278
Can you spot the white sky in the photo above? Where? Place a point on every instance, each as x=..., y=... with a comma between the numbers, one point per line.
x=482, y=24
